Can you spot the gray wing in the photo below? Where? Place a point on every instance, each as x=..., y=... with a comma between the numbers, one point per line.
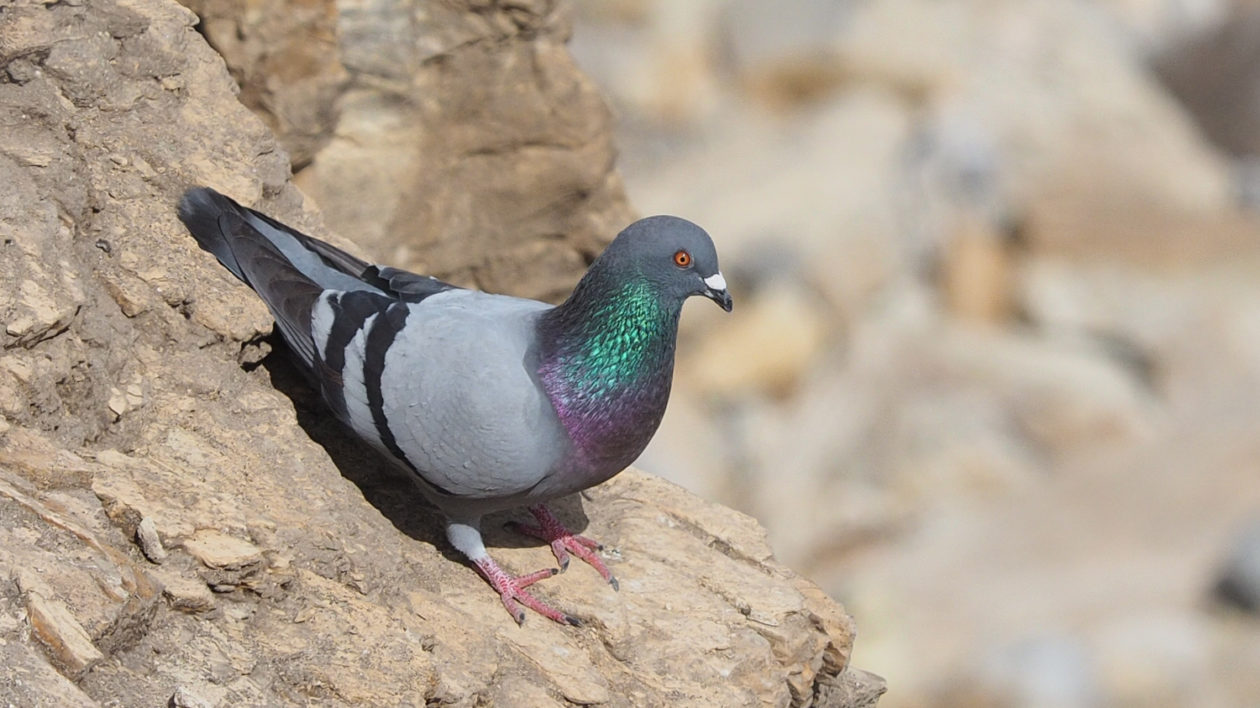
x=441, y=379
x=449, y=387
x=291, y=271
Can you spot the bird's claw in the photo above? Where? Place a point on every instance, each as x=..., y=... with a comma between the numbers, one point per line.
x=583, y=548
x=564, y=542
x=512, y=591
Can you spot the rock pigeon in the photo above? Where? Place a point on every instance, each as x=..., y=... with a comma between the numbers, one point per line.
x=488, y=401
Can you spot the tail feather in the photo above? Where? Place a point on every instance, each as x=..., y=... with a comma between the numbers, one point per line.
x=272, y=259
x=289, y=294
x=288, y=269
x=201, y=211
x=333, y=256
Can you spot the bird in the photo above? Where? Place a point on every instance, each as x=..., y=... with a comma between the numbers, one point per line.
x=487, y=401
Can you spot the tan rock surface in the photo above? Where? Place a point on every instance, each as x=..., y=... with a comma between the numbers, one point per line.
x=457, y=138
x=285, y=58
x=331, y=581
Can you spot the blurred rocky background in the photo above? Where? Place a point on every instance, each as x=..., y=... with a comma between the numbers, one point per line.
x=993, y=377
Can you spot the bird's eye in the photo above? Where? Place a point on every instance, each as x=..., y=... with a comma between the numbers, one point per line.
x=682, y=259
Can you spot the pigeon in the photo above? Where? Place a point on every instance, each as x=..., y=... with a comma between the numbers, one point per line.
x=489, y=402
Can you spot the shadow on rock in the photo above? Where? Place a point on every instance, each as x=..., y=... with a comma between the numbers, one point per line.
x=384, y=485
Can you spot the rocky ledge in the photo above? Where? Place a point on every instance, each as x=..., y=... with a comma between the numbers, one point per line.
x=179, y=522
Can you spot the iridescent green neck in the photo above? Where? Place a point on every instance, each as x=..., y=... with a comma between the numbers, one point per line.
x=606, y=361
x=627, y=333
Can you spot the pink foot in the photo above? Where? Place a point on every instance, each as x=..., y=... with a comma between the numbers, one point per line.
x=512, y=591
x=563, y=542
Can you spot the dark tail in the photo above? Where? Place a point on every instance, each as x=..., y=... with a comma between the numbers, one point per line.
x=288, y=269
x=278, y=262
x=205, y=213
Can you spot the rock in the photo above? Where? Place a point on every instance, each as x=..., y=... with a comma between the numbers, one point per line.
x=1238, y=580
x=919, y=412
x=1081, y=180
x=39, y=462
x=779, y=335
x=1212, y=71
x=228, y=561
x=978, y=273
x=784, y=207
x=52, y=623
x=286, y=59
x=857, y=688
x=785, y=53
x=48, y=263
x=653, y=59
x=1064, y=396
x=379, y=102
x=186, y=594
x=186, y=698
x=149, y=540
x=39, y=682
x=1160, y=653
x=1043, y=672
x=83, y=598
x=221, y=551
x=117, y=403
x=331, y=559
x=1155, y=26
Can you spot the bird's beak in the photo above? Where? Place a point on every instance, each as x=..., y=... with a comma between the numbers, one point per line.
x=715, y=290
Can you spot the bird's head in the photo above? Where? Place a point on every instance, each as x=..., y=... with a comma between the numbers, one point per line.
x=675, y=255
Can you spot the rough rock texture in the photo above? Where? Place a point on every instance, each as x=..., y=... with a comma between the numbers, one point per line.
x=431, y=131
x=285, y=58
x=180, y=523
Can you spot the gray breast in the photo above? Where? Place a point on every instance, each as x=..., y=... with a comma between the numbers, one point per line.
x=463, y=400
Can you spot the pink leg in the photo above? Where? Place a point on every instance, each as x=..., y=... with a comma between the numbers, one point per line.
x=563, y=542
x=512, y=591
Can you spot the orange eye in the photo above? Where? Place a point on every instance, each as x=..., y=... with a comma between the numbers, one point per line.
x=682, y=259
